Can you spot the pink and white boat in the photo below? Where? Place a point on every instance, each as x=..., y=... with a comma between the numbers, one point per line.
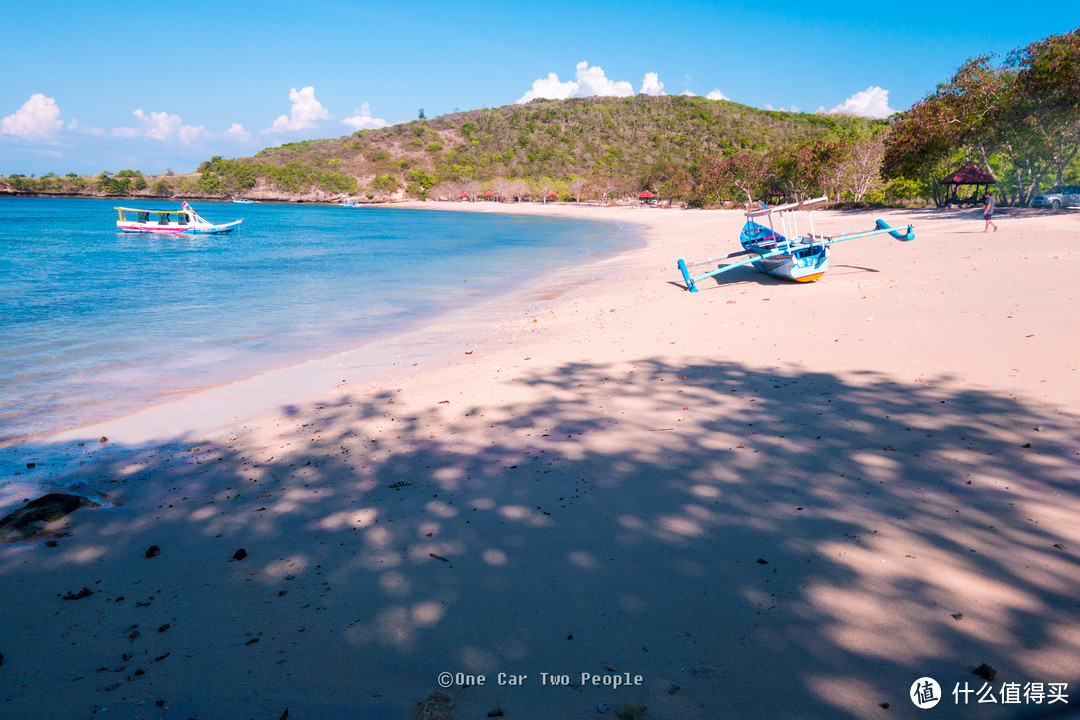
x=170, y=222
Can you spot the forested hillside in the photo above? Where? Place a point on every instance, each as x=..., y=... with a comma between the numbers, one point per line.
x=687, y=149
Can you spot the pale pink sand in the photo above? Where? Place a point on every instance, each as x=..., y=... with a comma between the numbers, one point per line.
x=775, y=496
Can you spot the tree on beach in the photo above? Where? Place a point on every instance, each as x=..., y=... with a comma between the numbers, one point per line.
x=1049, y=75
x=1022, y=118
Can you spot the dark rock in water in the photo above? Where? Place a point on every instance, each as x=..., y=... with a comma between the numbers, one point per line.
x=32, y=517
x=437, y=706
x=985, y=672
x=497, y=712
x=153, y=551
x=239, y=554
x=1, y=658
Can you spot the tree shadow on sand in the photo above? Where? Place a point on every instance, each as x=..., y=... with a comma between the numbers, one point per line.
x=754, y=543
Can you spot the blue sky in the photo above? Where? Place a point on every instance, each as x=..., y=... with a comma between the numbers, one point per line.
x=109, y=85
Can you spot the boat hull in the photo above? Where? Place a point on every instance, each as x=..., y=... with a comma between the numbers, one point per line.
x=785, y=259
x=156, y=229
x=803, y=266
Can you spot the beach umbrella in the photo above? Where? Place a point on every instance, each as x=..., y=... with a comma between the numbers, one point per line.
x=646, y=194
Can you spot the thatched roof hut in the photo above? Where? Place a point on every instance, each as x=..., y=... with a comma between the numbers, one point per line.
x=968, y=175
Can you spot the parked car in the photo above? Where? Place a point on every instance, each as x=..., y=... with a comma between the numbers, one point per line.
x=1058, y=197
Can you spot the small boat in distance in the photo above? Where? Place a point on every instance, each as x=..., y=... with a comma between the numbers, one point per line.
x=242, y=201
x=170, y=222
x=784, y=253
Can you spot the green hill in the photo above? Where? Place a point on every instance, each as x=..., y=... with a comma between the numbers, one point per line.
x=595, y=148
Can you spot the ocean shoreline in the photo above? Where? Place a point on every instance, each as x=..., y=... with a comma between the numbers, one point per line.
x=157, y=396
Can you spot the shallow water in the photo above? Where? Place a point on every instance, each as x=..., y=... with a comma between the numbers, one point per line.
x=96, y=323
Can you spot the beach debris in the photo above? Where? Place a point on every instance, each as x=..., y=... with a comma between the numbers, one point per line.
x=103, y=440
x=153, y=551
x=33, y=517
x=673, y=688
x=239, y=554
x=85, y=592
x=164, y=627
x=495, y=713
x=438, y=557
x=885, y=706
x=284, y=715
x=31, y=466
x=762, y=561
x=958, y=616
x=1, y=658
x=400, y=484
x=1059, y=546
x=632, y=710
x=436, y=706
x=985, y=672
x=603, y=708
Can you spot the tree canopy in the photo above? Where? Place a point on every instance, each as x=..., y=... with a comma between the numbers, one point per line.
x=1020, y=117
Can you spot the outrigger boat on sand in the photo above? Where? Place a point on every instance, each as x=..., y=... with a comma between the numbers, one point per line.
x=170, y=222
x=784, y=254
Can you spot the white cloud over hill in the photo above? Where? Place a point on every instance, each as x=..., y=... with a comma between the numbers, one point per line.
x=872, y=102
x=37, y=119
x=305, y=113
x=589, y=82
x=363, y=120
x=161, y=126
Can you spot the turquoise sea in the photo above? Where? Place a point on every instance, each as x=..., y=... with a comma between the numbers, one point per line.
x=96, y=323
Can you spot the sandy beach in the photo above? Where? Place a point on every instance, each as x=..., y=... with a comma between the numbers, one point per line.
x=762, y=500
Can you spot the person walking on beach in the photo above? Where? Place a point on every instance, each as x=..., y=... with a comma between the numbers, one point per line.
x=988, y=213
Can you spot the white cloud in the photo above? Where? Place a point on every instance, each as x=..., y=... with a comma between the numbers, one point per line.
x=716, y=95
x=237, y=132
x=160, y=126
x=792, y=109
x=362, y=120
x=37, y=119
x=593, y=82
x=550, y=88
x=305, y=113
x=651, y=85
x=689, y=93
x=589, y=81
x=871, y=102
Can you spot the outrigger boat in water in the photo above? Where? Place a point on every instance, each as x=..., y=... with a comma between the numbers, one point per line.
x=784, y=254
x=170, y=222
